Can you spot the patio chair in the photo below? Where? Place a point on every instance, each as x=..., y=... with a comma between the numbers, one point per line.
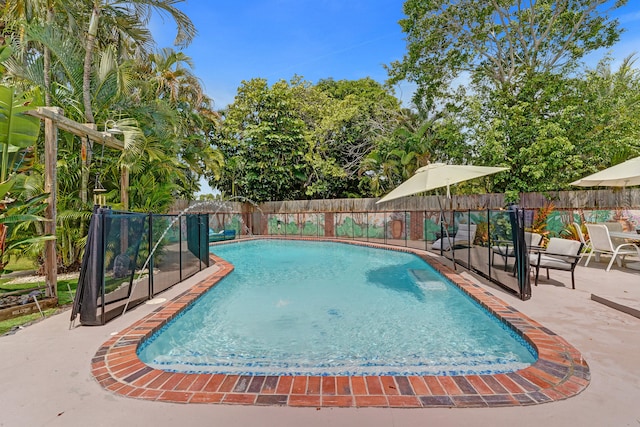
x=615, y=227
x=504, y=248
x=586, y=243
x=221, y=235
x=560, y=254
x=601, y=243
x=464, y=236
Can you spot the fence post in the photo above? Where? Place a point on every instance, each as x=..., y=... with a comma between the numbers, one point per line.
x=385, y=228
x=423, y=232
x=103, y=250
x=489, y=241
x=151, y=256
x=180, y=242
x=470, y=241
x=407, y=227
x=329, y=224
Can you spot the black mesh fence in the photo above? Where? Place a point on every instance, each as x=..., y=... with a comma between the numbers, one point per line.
x=492, y=243
x=131, y=257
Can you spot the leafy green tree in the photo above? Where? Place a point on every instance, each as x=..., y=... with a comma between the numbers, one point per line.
x=514, y=59
x=605, y=114
x=19, y=15
x=166, y=81
x=361, y=114
x=380, y=171
x=415, y=142
x=527, y=131
x=499, y=42
x=264, y=130
x=166, y=128
x=295, y=140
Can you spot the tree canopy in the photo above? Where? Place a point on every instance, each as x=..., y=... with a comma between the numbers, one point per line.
x=511, y=72
x=298, y=140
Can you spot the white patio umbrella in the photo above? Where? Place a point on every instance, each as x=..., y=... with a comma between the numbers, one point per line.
x=621, y=175
x=438, y=175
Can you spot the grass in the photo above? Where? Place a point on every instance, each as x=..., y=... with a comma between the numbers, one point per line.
x=19, y=264
x=64, y=298
x=8, y=325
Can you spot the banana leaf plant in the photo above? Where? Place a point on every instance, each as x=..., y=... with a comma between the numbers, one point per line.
x=18, y=137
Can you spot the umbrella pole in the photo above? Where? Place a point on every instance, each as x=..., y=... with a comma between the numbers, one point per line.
x=446, y=229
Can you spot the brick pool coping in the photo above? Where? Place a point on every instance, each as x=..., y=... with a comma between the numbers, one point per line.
x=560, y=371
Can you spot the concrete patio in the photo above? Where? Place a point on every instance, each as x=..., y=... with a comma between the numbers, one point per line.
x=46, y=379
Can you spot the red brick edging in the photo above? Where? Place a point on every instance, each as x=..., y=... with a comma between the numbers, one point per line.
x=560, y=371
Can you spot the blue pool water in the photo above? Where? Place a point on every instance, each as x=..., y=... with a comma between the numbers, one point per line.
x=314, y=308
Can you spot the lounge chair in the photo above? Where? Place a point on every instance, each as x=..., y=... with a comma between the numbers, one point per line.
x=221, y=235
x=601, y=243
x=463, y=237
x=504, y=248
x=560, y=254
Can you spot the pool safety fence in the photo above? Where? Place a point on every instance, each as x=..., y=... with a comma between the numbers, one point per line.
x=132, y=257
x=492, y=243
x=418, y=222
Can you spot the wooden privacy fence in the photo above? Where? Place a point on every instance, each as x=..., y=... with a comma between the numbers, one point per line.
x=583, y=199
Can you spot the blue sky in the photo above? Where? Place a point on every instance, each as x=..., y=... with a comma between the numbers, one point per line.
x=277, y=39
x=315, y=39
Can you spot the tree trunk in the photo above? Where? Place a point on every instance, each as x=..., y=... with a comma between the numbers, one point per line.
x=88, y=62
x=47, y=63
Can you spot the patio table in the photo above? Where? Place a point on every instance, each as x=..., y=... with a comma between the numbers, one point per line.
x=629, y=235
x=635, y=239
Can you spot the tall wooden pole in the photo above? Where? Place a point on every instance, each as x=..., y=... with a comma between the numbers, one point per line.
x=124, y=187
x=124, y=199
x=50, y=186
x=87, y=154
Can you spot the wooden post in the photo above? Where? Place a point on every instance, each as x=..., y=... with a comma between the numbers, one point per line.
x=417, y=225
x=329, y=225
x=124, y=188
x=87, y=150
x=50, y=186
x=84, y=166
x=124, y=199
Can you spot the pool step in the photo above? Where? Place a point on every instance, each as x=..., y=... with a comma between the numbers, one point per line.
x=427, y=280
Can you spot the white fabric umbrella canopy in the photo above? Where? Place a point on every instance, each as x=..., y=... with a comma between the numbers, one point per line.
x=438, y=175
x=622, y=175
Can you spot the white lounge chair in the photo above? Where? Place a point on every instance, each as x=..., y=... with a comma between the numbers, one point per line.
x=586, y=243
x=601, y=243
x=465, y=236
x=560, y=254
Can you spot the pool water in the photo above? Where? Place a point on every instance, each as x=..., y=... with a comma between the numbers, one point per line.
x=325, y=308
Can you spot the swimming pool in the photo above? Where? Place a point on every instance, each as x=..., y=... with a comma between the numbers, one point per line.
x=325, y=308
x=559, y=372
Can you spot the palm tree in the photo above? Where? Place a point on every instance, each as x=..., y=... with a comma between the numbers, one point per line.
x=130, y=13
x=169, y=70
x=166, y=77
x=19, y=15
x=382, y=170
